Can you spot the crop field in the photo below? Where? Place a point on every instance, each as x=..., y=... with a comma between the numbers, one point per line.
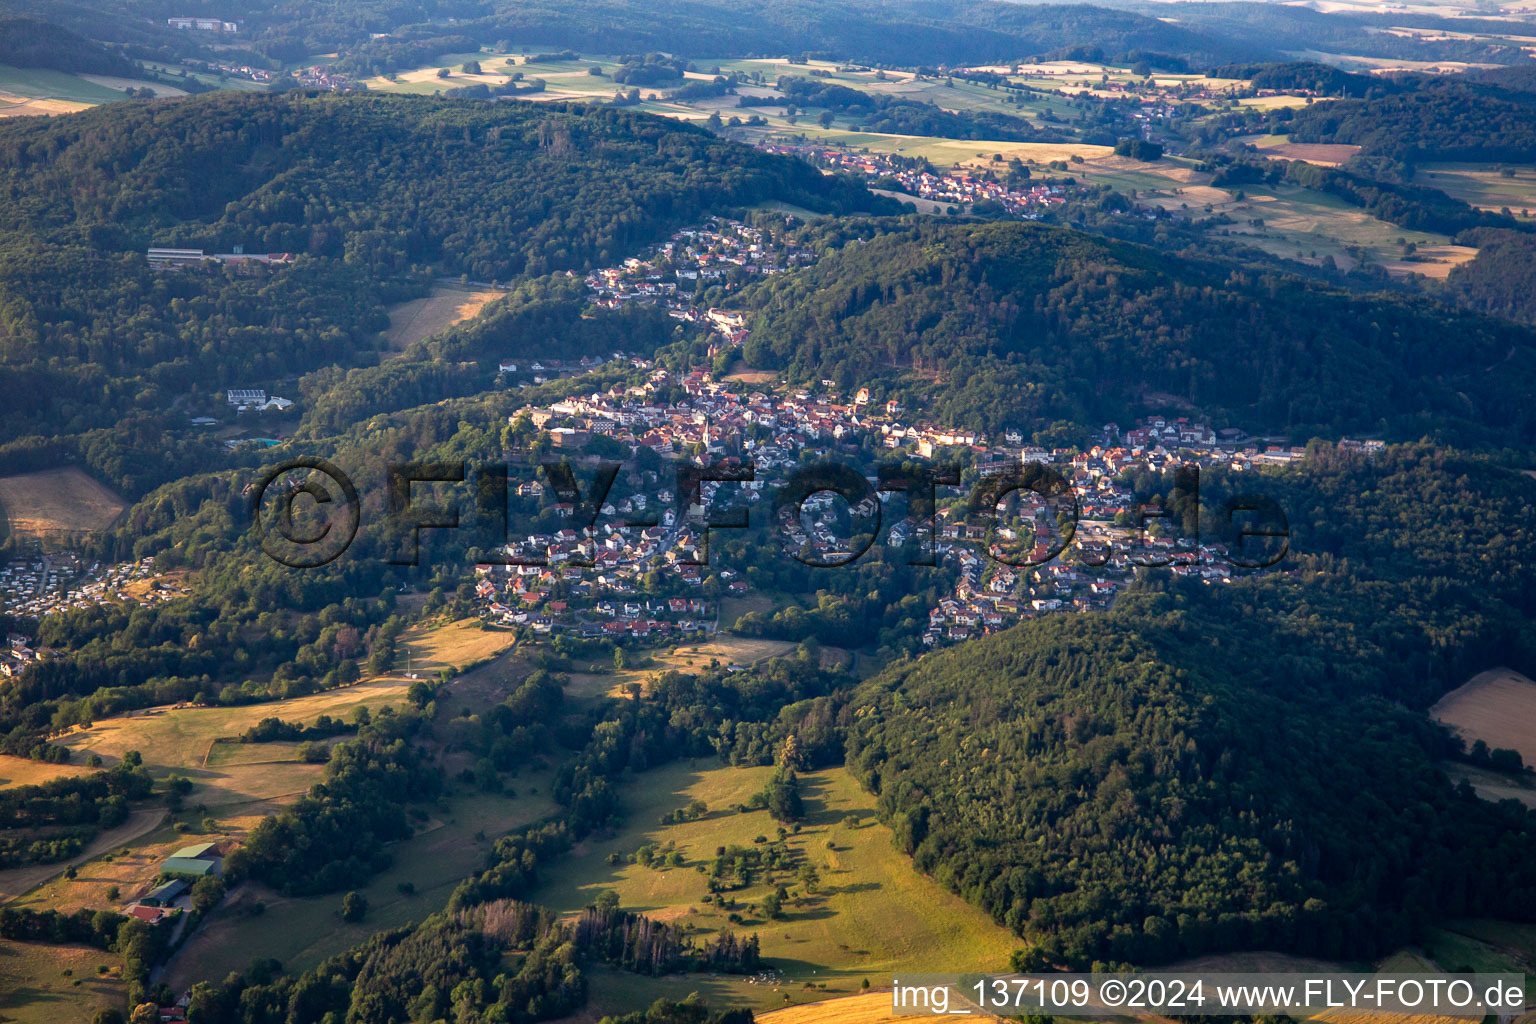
x=870, y=914
x=1497, y=707
x=412, y=321
x=1321, y=153
x=56, y=984
x=303, y=931
x=452, y=645
x=563, y=79
x=55, y=502
x=1485, y=186
x=865, y=1008
x=43, y=83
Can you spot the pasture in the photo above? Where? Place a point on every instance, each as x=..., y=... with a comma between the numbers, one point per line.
x=869, y=914
x=690, y=658
x=56, y=502
x=302, y=931
x=52, y=984
x=1498, y=707
x=1485, y=186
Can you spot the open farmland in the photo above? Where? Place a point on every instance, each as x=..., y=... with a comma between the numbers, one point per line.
x=23, y=771
x=1488, y=187
x=412, y=321
x=301, y=932
x=1497, y=707
x=56, y=502
x=690, y=658
x=870, y=913
x=860, y=1009
x=15, y=881
x=41, y=984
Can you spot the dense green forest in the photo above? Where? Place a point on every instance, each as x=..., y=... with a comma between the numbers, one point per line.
x=34, y=43
x=1438, y=120
x=1025, y=323
x=374, y=194
x=1501, y=279
x=904, y=32
x=1206, y=769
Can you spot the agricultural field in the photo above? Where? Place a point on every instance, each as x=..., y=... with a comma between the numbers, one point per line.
x=1485, y=186
x=1309, y=226
x=23, y=771
x=130, y=864
x=692, y=658
x=869, y=915
x=17, y=881
x=1497, y=707
x=563, y=79
x=451, y=845
x=56, y=502
x=43, y=83
x=184, y=737
x=56, y=984
x=865, y=1008
x=410, y=322
x=1320, y=153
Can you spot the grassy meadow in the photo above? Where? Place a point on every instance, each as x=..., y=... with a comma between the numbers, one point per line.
x=870, y=914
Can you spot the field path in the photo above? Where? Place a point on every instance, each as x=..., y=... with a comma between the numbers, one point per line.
x=16, y=881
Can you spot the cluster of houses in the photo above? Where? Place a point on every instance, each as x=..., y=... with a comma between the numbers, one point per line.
x=955, y=187
x=323, y=76
x=18, y=654
x=720, y=252
x=36, y=586
x=589, y=582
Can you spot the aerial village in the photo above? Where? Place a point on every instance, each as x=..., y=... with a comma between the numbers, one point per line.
x=596, y=582
x=1021, y=199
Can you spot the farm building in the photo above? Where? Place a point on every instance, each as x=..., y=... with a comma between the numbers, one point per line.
x=186, y=866
x=162, y=895
x=196, y=860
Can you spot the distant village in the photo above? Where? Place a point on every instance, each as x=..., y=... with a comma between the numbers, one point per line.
x=1023, y=200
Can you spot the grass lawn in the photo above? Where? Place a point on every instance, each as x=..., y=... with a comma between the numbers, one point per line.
x=870, y=915
x=35, y=989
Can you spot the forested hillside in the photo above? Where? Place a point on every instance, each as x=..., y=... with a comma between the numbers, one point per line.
x=1211, y=769
x=1443, y=120
x=1026, y=323
x=34, y=43
x=373, y=194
